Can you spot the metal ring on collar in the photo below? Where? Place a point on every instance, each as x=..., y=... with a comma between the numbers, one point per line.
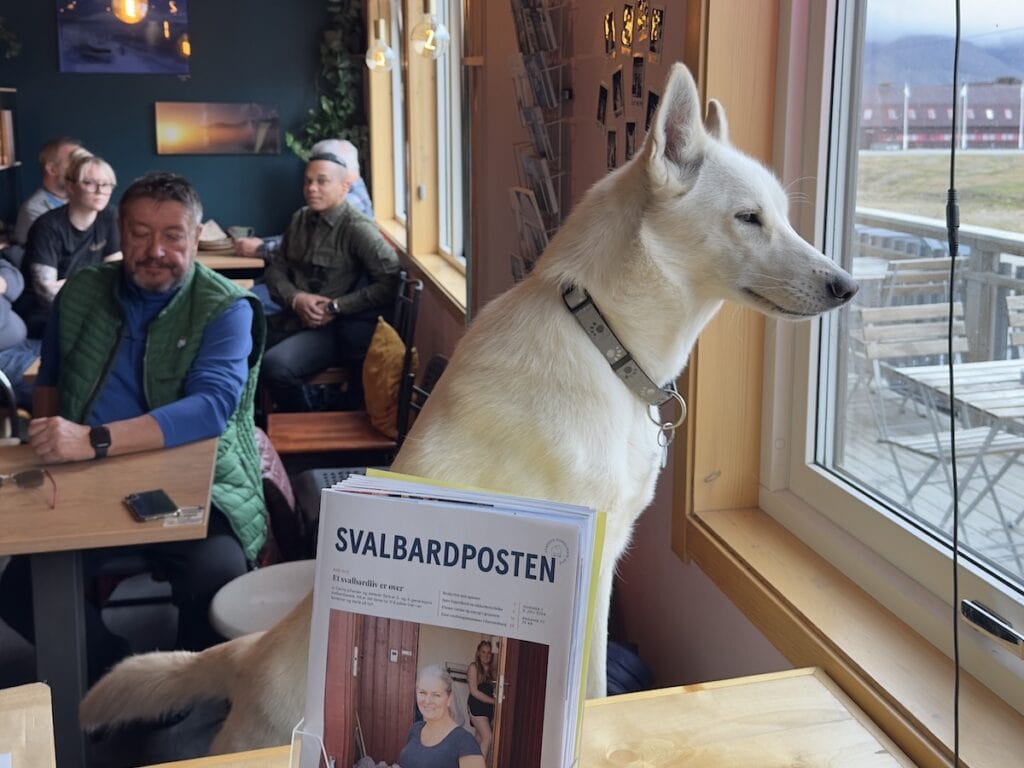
x=668, y=426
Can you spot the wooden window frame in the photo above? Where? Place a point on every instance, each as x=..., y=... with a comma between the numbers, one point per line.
x=810, y=611
x=417, y=238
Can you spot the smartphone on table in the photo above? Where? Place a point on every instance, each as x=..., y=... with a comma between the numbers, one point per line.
x=150, y=505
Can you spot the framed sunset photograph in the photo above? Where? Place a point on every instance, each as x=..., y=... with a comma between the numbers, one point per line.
x=217, y=128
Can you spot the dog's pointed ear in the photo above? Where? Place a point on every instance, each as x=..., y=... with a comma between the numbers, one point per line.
x=715, y=122
x=676, y=140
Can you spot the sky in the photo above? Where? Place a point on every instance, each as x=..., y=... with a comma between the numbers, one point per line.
x=983, y=22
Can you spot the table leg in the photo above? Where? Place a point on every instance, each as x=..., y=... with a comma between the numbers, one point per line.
x=59, y=615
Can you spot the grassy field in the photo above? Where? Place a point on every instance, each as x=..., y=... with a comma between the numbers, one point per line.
x=991, y=185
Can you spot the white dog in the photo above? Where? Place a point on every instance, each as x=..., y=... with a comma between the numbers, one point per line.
x=530, y=403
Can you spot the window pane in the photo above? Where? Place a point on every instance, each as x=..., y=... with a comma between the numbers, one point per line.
x=885, y=412
x=449, y=135
x=398, y=124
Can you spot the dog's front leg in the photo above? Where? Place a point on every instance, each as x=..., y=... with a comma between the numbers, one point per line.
x=597, y=669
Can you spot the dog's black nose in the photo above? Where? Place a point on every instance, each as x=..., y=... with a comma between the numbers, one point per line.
x=843, y=287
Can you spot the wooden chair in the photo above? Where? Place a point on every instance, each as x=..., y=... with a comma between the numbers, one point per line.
x=342, y=377
x=918, y=281
x=309, y=483
x=1015, y=326
x=11, y=432
x=350, y=432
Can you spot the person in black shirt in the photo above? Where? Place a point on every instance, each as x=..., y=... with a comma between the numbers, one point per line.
x=63, y=241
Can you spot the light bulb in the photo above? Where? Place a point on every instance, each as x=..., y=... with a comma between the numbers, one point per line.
x=430, y=37
x=379, y=55
x=130, y=11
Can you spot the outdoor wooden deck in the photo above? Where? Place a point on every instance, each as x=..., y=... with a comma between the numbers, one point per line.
x=988, y=530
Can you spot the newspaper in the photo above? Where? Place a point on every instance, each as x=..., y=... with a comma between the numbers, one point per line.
x=411, y=575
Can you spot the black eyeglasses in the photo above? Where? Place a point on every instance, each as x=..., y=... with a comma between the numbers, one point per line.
x=31, y=478
x=97, y=186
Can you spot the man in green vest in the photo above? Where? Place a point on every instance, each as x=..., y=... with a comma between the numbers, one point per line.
x=150, y=353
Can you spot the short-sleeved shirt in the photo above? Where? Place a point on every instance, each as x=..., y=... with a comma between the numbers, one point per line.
x=38, y=203
x=458, y=743
x=53, y=241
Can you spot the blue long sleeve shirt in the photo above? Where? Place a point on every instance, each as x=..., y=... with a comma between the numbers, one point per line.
x=213, y=385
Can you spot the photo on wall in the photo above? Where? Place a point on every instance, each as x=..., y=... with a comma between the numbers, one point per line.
x=613, y=154
x=657, y=32
x=630, y=140
x=636, y=90
x=652, y=107
x=641, y=21
x=627, y=29
x=123, y=37
x=602, y=104
x=609, y=33
x=217, y=128
x=618, y=102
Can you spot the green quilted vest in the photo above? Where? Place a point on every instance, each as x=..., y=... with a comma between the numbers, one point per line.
x=89, y=334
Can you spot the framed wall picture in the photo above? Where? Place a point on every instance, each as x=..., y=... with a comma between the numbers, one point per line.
x=123, y=36
x=217, y=128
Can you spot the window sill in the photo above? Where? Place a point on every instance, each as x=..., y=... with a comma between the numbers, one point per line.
x=448, y=280
x=817, y=617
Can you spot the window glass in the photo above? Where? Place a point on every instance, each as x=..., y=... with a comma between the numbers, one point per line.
x=398, y=123
x=449, y=136
x=884, y=412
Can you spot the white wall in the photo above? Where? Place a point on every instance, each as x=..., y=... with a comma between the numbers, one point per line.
x=685, y=628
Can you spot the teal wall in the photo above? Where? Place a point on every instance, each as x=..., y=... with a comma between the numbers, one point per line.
x=259, y=50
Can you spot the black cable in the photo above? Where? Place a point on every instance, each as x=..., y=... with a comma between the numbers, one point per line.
x=952, y=227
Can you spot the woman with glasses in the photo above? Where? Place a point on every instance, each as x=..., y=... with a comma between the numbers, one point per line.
x=63, y=241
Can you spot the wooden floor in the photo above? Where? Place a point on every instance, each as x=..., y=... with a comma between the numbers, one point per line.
x=989, y=530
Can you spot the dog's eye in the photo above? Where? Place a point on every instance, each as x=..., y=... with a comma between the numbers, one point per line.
x=749, y=217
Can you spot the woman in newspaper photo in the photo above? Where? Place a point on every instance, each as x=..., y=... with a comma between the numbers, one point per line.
x=481, y=694
x=437, y=741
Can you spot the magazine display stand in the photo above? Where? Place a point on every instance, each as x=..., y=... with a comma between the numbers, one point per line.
x=540, y=75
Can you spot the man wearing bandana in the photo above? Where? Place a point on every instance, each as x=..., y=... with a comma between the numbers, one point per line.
x=333, y=275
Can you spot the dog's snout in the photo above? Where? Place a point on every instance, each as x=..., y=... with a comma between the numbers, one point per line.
x=843, y=287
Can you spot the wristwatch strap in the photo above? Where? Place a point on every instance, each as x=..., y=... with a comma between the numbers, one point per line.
x=99, y=439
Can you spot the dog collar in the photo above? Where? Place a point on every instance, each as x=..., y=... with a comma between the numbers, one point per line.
x=583, y=308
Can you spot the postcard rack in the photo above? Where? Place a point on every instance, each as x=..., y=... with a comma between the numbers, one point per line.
x=541, y=79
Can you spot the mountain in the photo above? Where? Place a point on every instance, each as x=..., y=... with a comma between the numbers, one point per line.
x=928, y=60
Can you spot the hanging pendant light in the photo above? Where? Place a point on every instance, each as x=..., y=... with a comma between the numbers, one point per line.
x=430, y=37
x=379, y=56
x=130, y=11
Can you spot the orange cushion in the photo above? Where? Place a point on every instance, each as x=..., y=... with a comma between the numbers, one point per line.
x=382, y=378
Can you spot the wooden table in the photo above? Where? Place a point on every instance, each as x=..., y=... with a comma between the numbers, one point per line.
x=988, y=394
x=26, y=726
x=89, y=514
x=992, y=390
x=31, y=372
x=780, y=720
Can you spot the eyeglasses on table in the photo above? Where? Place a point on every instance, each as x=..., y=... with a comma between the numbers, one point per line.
x=29, y=479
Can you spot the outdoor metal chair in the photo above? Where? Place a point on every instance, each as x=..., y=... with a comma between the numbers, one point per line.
x=891, y=337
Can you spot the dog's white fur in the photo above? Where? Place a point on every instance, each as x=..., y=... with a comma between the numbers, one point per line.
x=528, y=405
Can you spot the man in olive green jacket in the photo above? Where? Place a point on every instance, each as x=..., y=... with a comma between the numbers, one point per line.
x=334, y=274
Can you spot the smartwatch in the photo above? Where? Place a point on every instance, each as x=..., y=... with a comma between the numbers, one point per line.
x=99, y=439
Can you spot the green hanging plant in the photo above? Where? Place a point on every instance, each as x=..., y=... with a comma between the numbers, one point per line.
x=8, y=41
x=339, y=111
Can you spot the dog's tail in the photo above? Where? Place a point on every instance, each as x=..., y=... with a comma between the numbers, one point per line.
x=151, y=686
